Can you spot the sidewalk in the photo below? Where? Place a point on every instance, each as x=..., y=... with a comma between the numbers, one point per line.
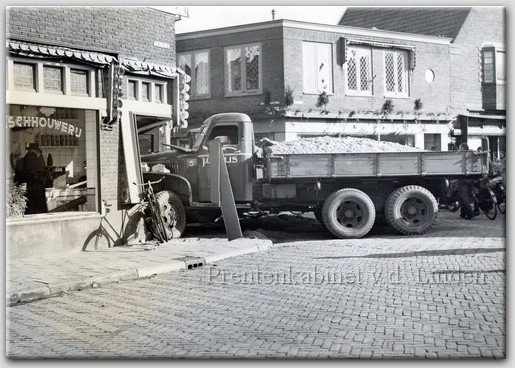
x=41, y=277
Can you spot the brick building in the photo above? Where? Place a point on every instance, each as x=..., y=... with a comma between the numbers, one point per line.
x=477, y=62
x=304, y=79
x=60, y=66
x=314, y=79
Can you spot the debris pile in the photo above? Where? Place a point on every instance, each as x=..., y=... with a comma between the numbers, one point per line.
x=336, y=145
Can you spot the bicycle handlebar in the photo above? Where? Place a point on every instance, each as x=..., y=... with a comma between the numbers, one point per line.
x=149, y=182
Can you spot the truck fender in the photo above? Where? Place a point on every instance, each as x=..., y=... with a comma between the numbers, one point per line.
x=176, y=183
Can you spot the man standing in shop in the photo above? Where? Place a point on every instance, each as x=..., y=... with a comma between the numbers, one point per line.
x=31, y=169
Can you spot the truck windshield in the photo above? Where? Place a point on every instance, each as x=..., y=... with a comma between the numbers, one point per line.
x=200, y=137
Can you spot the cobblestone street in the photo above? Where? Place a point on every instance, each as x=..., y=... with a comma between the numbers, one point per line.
x=441, y=295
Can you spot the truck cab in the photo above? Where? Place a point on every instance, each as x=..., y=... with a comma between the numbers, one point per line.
x=188, y=168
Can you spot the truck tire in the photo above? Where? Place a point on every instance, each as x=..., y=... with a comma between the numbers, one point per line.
x=172, y=212
x=411, y=210
x=348, y=213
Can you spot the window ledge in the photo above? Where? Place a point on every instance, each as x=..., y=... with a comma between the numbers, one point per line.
x=242, y=94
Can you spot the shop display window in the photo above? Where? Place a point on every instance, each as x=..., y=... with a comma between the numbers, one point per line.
x=49, y=152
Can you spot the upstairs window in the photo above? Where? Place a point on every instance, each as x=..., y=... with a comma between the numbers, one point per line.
x=196, y=65
x=317, y=67
x=53, y=79
x=359, y=71
x=243, y=69
x=79, y=82
x=24, y=76
x=396, y=73
x=494, y=66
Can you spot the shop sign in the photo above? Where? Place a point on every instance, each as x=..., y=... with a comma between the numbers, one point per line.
x=42, y=122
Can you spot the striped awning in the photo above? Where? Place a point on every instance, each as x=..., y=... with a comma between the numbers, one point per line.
x=411, y=49
x=45, y=51
x=34, y=50
x=141, y=67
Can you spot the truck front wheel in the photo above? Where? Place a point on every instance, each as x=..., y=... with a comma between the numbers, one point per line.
x=348, y=213
x=411, y=210
x=173, y=213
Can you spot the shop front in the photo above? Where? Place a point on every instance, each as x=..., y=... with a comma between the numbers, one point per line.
x=485, y=132
x=66, y=163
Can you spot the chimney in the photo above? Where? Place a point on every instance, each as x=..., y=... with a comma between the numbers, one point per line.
x=273, y=14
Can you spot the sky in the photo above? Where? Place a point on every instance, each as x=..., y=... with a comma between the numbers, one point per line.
x=208, y=17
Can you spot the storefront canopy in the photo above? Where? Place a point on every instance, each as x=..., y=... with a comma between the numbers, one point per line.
x=134, y=66
x=140, y=67
x=44, y=51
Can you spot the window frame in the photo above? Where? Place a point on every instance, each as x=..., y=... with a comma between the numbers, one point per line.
x=309, y=90
x=395, y=93
x=62, y=71
x=359, y=92
x=193, y=83
x=89, y=92
x=139, y=84
x=34, y=67
x=38, y=77
x=243, y=69
x=495, y=75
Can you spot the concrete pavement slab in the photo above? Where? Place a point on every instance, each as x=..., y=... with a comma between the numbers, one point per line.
x=32, y=278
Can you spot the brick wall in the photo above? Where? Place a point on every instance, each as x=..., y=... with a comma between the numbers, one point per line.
x=484, y=26
x=282, y=68
x=272, y=72
x=435, y=95
x=125, y=31
x=128, y=31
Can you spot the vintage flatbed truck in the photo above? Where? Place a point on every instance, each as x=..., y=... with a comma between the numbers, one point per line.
x=346, y=191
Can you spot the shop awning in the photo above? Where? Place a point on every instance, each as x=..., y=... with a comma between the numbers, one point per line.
x=35, y=50
x=411, y=49
x=45, y=51
x=484, y=117
x=141, y=67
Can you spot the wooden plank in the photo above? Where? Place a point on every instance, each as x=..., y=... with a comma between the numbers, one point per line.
x=359, y=164
x=221, y=190
x=399, y=164
x=309, y=165
x=378, y=164
x=214, y=148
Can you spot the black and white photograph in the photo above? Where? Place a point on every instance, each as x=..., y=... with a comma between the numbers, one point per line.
x=248, y=182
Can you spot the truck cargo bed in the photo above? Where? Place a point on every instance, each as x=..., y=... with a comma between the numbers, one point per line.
x=380, y=164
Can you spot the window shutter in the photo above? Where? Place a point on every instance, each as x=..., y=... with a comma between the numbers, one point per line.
x=309, y=65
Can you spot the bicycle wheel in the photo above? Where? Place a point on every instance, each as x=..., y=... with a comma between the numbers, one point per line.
x=488, y=203
x=501, y=199
x=157, y=225
x=502, y=208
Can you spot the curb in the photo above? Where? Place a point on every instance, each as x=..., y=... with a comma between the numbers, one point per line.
x=59, y=289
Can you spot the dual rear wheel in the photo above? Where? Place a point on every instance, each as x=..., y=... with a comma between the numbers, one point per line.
x=350, y=213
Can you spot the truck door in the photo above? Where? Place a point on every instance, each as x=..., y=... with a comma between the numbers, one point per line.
x=237, y=158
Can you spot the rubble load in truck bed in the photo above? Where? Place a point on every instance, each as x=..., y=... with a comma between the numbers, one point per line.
x=336, y=145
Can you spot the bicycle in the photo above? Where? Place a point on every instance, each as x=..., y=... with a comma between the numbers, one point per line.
x=497, y=186
x=485, y=199
x=155, y=220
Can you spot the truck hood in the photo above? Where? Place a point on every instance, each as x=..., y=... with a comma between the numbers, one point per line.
x=163, y=157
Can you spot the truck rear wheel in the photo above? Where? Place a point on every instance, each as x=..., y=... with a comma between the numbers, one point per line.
x=411, y=210
x=348, y=213
x=173, y=213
